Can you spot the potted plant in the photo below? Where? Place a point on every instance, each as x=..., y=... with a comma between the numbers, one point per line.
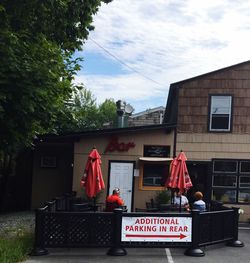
x=163, y=198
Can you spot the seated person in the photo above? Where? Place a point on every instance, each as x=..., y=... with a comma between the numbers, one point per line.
x=114, y=201
x=199, y=203
x=181, y=199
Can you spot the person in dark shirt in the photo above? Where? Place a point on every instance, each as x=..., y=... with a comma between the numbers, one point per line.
x=114, y=201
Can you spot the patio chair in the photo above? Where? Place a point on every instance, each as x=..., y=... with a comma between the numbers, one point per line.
x=110, y=206
x=151, y=207
x=80, y=207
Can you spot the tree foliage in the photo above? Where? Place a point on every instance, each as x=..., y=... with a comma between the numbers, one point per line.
x=83, y=113
x=37, y=43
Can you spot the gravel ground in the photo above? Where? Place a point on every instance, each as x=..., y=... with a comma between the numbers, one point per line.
x=13, y=223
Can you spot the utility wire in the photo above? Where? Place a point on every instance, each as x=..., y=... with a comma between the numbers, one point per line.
x=123, y=63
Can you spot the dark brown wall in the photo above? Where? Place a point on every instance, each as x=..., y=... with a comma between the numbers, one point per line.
x=194, y=99
x=48, y=183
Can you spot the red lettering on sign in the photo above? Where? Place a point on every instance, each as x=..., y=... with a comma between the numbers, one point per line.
x=178, y=229
x=162, y=221
x=114, y=145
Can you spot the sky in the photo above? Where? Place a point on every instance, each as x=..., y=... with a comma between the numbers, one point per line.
x=140, y=47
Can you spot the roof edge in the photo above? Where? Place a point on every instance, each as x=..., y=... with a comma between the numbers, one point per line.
x=208, y=73
x=76, y=135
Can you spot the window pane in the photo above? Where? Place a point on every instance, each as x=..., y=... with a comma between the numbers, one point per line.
x=244, y=196
x=220, y=122
x=155, y=174
x=224, y=195
x=244, y=181
x=245, y=167
x=221, y=105
x=224, y=180
x=225, y=166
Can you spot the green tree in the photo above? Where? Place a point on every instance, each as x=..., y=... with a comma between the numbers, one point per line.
x=37, y=43
x=107, y=112
x=82, y=113
x=79, y=113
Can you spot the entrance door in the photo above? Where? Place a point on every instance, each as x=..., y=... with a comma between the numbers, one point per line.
x=121, y=176
x=199, y=174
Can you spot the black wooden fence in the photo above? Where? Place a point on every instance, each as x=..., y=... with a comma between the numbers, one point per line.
x=56, y=226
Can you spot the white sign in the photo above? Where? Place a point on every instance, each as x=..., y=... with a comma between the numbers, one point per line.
x=161, y=229
x=136, y=172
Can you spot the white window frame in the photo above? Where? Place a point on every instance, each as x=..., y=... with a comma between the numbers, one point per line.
x=227, y=110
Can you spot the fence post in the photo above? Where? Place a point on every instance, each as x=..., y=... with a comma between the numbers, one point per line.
x=51, y=205
x=67, y=201
x=235, y=242
x=117, y=249
x=194, y=250
x=39, y=249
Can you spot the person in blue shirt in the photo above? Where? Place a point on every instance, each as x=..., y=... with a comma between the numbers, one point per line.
x=199, y=203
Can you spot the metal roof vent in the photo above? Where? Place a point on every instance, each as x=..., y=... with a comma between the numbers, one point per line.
x=123, y=111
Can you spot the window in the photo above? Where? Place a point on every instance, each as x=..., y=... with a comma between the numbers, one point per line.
x=223, y=195
x=245, y=181
x=154, y=167
x=153, y=175
x=231, y=181
x=224, y=180
x=245, y=167
x=220, y=113
x=225, y=166
x=244, y=196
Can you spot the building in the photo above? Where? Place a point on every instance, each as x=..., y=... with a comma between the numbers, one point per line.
x=206, y=116
x=147, y=117
x=135, y=159
x=211, y=114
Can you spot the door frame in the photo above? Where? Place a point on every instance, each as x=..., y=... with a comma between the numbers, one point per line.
x=133, y=179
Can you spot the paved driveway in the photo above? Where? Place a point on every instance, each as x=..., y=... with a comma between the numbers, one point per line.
x=218, y=254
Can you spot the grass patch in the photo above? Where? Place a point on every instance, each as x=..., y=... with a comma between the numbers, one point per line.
x=15, y=247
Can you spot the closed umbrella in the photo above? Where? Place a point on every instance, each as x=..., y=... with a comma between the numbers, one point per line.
x=92, y=179
x=179, y=178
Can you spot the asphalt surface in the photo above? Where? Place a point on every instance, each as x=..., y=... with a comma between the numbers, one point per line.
x=217, y=253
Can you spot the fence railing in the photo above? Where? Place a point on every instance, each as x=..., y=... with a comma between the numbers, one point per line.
x=56, y=226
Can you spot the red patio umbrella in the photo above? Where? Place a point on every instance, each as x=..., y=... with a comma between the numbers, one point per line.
x=179, y=177
x=92, y=179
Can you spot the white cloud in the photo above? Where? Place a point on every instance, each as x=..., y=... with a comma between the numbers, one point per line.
x=167, y=41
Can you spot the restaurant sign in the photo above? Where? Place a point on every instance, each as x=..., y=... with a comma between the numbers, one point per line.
x=157, y=229
x=156, y=151
x=115, y=145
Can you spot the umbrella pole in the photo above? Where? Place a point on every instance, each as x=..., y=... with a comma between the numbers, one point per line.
x=180, y=205
x=172, y=197
x=94, y=204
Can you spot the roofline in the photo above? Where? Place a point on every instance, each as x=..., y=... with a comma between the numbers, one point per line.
x=170, y=115
x=147, y=111
x=77, y=135
x=208, y=73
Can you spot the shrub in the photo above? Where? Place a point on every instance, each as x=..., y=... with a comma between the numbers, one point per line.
x=163, y=197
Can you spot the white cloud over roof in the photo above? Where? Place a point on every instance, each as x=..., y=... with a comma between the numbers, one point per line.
x=166, y=41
